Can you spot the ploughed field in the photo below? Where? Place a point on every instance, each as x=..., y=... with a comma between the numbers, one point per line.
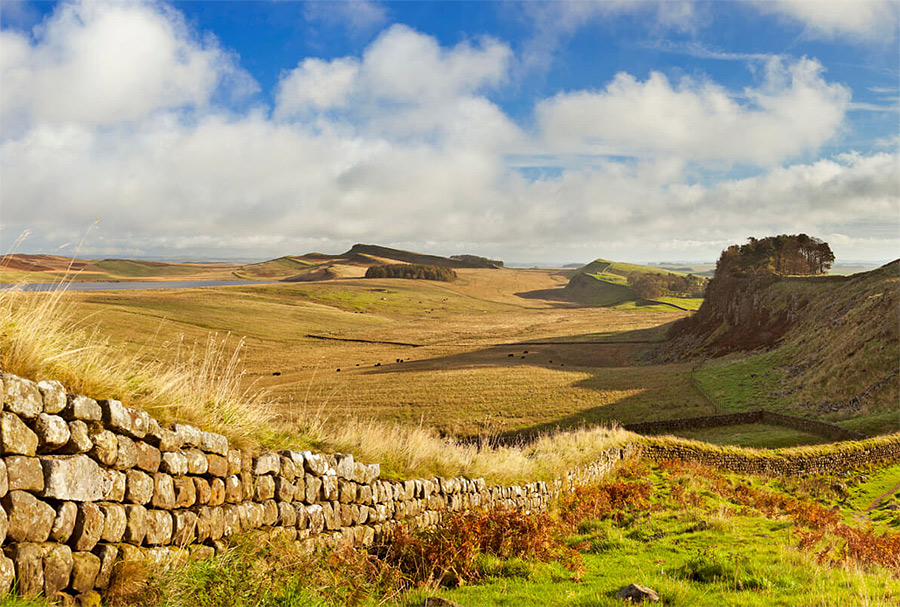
x=496, y=352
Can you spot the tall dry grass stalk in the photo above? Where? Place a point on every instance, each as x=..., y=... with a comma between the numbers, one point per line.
x=42, y=338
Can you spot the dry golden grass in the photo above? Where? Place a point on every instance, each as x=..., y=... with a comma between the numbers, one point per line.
x=197, y=377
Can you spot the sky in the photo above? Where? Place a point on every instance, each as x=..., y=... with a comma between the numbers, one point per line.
x=524, y=131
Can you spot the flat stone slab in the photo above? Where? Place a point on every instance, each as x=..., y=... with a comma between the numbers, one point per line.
x=76, y=478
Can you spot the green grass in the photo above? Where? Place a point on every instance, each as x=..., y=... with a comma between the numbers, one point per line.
x=694, y=545
x=744, y=382
x=762, y=436
x=691, y=303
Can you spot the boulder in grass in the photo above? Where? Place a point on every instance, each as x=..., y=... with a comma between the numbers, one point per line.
x=636, y=593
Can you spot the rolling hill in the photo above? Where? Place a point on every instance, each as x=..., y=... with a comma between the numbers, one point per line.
x=610, y=283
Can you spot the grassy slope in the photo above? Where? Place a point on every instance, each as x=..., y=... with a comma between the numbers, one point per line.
x=844, y=341
x=697, y=545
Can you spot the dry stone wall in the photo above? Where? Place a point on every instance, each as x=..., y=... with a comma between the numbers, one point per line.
x=85, y=484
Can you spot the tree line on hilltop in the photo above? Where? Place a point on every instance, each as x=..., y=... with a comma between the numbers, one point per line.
x=796, y=254
x=413, y=271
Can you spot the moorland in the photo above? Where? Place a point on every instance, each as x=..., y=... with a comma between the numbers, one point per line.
x=499, y=356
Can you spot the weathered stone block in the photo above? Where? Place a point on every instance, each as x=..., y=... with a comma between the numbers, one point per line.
x=107, y=554
x=201, y=486
x=269, y=512
x=29, y=567
x=148, y=457
x=359, y=472
x=346, y=491
x=114, y=521
x=114, y=486
x=185, y=492
x=232, y=523
x=4, y=525
x=174, y=463
x=57, y=564
x=287, y=515
x=300, y=488
x=267, y=463
x=233, y=489
x=76, y=478
x=79, y=438
x=184, y=527
x=329, y=488
x=163, y=491
x=135, y=524
x=29, y=519
x=21, y=396
x=196, y=461
x=302, y=516
x=216, y=465
x=52, y=432
x=265, y=488
x=316, y=515
x=83, y=408
x=203, y=528
x=4, y=479
x=169, y=440
x=53, y=395
x=214, y=443
x=7, y=574
x=344, y=465
x=313, y=486
x=159, y=527
x=189, y=435
x=124, y=420
x=64, y=522
x=85, y=567
x=314, y=463
x=88, y=527
x=373, y=471
x=138, y=487
x=24, y=473
x=15, y=436
x=234, y=461
x=284, y=489
x=218, y=492
x=105, y=447
x=248, y=486
x=126, y=453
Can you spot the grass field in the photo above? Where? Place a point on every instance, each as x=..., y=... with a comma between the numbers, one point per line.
x=479, y=355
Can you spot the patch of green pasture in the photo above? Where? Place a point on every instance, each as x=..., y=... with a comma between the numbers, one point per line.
x=762, y=436
x=691, y=303
x=872, y=485
x=743, y=383
x=874, y=424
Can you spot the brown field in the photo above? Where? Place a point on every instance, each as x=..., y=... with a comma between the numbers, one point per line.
x=493, y=352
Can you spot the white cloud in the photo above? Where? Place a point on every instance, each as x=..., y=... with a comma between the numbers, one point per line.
x=316, y=84
x=867, y=20
x=793, y=111
x=358, y=15
x=401, y=145
x=105, y=63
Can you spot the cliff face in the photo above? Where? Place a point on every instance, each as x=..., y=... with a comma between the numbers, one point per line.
x=835, y=339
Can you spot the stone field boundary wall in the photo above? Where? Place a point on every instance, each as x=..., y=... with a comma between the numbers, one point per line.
x=85, y=484
x=832, y=432
x=834, y=458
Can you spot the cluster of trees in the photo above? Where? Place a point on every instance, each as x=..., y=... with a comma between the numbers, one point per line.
x=785, y=254
x=407, y=270
x=478, y=261
x=651, y=286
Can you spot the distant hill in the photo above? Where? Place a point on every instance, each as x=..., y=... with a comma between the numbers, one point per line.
x=610, y=283
x=47, y=268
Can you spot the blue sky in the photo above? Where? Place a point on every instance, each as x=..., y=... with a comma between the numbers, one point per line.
x=531, y=131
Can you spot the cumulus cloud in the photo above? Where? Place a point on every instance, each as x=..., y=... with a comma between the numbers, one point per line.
x=868, y=20
x=104, y=63
x=794, y=110
x=403, y=145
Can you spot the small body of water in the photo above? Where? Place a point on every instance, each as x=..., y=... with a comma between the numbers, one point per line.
x=129, y=285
